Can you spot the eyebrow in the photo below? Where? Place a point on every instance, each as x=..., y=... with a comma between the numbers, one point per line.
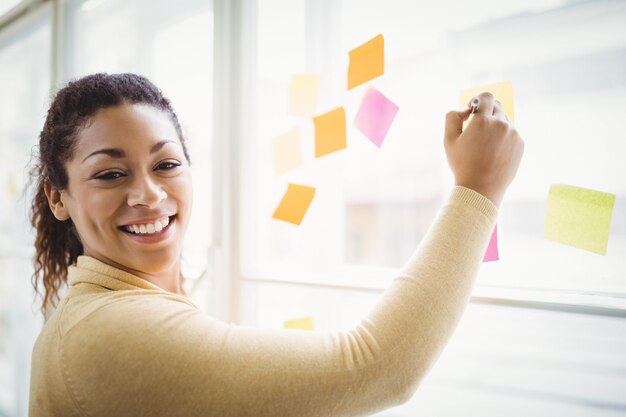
x=118, y=153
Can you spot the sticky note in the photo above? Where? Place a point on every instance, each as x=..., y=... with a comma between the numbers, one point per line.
x=294, y=204
x=11, y=184
x=375, y=115
x=303, y=323
x=503, y=92
x=579, y=217
x=330, y=132
x=287, y=154
x=492, y=249
x=303, y=94
x=366, y=61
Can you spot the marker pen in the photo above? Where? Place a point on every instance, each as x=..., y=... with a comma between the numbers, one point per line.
x=474, y=104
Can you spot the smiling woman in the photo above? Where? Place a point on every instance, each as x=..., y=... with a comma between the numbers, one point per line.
x=112, y=207
x=113, y=168
x=132, y=178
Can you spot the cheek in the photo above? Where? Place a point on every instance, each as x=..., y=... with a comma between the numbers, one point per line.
x=97, y=206
x=182, y=190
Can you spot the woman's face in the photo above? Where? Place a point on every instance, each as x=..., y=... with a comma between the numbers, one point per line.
x=130, y=193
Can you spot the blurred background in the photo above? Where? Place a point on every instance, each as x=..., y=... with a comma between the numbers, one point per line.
x=545, y=332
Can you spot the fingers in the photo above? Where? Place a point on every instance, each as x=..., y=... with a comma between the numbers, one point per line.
x=454, y=124
x=498, y=112
x=486, y=104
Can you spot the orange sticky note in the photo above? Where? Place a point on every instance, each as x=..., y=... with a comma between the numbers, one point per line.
x=287, y=155
x=303, y=323
x=366, y=61
x=503, y=92
x=294, y=204
x=330, y=132
x=303, y=94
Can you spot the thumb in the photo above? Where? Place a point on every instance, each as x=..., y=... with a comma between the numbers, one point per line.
x=454, y=124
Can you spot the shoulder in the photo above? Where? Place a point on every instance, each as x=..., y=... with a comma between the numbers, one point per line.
x=135, y=345
x=132, y=332
x=132, y=320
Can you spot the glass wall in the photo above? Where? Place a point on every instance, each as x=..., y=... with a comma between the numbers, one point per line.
x=566, y=61
x=25, y=83
x=545, y=332
x=373, y=206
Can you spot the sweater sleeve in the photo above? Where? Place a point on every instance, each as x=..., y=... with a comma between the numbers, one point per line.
x=155, y=357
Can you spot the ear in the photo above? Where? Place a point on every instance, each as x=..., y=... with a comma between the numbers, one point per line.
x=55, y=200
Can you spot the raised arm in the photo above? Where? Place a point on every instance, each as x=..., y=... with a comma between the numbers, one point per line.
x=178, y=361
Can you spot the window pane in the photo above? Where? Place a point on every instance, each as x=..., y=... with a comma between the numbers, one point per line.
x=25, y=84
x=500, y=360
x=565, y=142
x=269, y=305
x=173, y=46
x=518, y=362
x=373, y=206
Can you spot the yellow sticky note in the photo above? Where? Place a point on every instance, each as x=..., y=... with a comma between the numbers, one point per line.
x=330, y=132
x=303, y=94
x=579, y=217
x=287, y=154
x=294, y=204
x=503, y=92
x=303, y=323
x=11, y=184
x=366, y=61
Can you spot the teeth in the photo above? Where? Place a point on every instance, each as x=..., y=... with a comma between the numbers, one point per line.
x=149, y=228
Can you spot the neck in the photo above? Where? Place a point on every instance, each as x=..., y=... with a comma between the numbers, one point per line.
x=169, y=282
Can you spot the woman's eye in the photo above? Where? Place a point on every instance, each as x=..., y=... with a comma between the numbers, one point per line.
x=110, y=176
x=113, y=175
x=168, y=165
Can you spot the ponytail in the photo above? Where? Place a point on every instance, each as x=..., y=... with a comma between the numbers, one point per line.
x=56, y=247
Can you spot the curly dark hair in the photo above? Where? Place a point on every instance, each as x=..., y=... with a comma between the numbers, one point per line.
x=57, y=244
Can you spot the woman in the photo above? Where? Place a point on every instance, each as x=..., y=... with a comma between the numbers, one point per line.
x=112, y=206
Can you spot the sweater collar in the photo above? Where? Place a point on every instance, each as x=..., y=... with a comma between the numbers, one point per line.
x=91, y=270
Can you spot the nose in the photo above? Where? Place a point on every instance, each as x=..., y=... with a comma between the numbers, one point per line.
x=146, y=192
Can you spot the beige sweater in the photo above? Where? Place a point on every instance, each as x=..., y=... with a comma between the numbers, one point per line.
x=118, y=345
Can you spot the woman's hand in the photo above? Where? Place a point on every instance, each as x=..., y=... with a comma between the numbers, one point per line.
x=485, y=156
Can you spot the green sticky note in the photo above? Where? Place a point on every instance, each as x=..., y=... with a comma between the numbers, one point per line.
x=579, y=217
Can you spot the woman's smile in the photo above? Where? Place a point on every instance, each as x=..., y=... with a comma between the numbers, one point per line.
x=153, y=232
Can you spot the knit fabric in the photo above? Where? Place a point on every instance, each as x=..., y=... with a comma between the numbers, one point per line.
x=118, y=345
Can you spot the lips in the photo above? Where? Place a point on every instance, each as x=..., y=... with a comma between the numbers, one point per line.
x=164, y=234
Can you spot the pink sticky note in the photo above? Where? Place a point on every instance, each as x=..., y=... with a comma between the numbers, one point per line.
x=492, y=249
x=375, y=116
